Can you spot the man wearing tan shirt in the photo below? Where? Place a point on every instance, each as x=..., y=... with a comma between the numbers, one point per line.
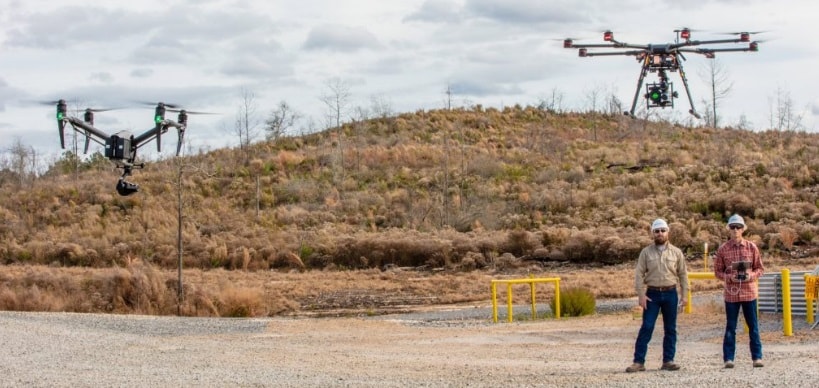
x=659, y=273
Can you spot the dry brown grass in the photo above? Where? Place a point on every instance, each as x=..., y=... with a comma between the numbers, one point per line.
x=144, y=289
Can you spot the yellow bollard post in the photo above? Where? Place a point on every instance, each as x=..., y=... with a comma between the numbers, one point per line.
x=509, y=301
x=494, y=302
x=534, y=310
x=688, y=305
x=557, y=298
x=705, y=257
x=786, y=303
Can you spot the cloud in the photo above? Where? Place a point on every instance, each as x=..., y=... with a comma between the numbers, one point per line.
x=103, y=77
x=528, y=11
x=8, y=93
x=142, y=73
x=436, y=11
x=477, y=88
x=340, y=38
x=251, y=65
x=73, y=26
x=257, y=57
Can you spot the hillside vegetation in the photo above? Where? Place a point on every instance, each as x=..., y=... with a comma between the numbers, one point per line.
x=453, y=189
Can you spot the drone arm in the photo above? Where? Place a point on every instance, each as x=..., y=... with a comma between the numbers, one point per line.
x=87, y=130
x=612, y=53
x=148, y=135
x=157, y=132
x=701, y=42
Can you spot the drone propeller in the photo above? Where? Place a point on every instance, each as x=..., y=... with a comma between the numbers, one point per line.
x=743, y=32
x=190, y=112
x=48, y=102
x=744, y=36
x=98, y=110
x=158, y=103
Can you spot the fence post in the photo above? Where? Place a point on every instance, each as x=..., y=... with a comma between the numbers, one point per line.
x=494, y=302
x=786, y=303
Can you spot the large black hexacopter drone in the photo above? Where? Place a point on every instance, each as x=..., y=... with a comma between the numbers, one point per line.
x=659, y=58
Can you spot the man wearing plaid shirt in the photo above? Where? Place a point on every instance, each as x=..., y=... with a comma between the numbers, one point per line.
x=741, y=291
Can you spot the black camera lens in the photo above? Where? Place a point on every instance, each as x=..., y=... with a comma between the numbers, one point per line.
x=125, y=188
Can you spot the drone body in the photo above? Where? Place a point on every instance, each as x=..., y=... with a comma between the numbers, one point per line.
x=660, y=58
x=121, y=147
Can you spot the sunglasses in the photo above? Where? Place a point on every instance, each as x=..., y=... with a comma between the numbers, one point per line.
x=735, y=227
x=660, y=230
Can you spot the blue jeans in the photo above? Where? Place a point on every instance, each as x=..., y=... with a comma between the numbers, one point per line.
x=664, y=302
x=729, y=343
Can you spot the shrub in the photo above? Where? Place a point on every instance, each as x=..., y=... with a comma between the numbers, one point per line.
x=575, y=302
x=241, y=303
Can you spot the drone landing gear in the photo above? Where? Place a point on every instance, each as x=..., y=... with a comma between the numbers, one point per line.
x=125, y=188
x=660, y=95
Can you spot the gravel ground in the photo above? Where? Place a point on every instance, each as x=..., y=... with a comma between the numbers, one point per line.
x=440, y=347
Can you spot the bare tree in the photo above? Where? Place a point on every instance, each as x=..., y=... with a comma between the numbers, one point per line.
x=180, y=167
x=593, y=97
x=553, y=102
x=614, y=106
x=337, y=100
x=281, y=119
x=247, y=124
x=380, y=107
x=22, y=160
x=448, y=93
x=783, y=117
x=743, y=122
x=715, y=75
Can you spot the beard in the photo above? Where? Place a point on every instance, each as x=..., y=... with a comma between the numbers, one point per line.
x=660, y=239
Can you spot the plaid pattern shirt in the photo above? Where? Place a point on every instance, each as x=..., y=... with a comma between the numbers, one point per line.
x=733, y=251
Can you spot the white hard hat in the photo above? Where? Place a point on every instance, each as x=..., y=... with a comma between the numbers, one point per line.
x=659, y=224
x=736, y=219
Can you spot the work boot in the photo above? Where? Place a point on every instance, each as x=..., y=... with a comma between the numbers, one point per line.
x=670, y=366
x=758, y=364
x=636, y=367
x=729, y=364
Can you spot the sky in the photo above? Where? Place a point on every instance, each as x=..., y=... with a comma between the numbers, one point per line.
x=206, y=54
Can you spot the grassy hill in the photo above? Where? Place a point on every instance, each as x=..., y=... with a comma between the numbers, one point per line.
x=456, y=191
x=453, y=189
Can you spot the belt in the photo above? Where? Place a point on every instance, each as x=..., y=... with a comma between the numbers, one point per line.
x=668, y=288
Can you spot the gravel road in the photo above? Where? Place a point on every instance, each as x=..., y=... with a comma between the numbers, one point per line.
x=449, y=347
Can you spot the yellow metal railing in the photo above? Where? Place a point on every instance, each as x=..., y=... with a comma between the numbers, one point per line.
x=695, y=276
x=531, y=282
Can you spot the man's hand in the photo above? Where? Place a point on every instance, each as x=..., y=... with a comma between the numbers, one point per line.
x=642, y=301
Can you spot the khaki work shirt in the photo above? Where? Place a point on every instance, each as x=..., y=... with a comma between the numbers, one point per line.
x=660, y=268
